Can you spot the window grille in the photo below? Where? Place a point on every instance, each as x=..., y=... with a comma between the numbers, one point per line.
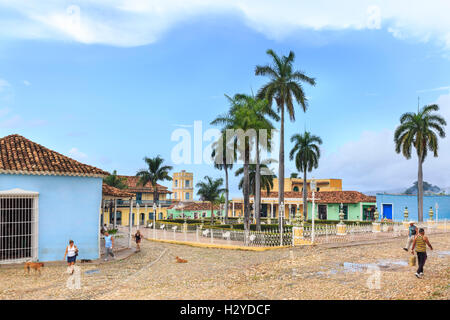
x=18, y=226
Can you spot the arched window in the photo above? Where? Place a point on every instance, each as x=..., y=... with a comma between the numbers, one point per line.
x=296, y=189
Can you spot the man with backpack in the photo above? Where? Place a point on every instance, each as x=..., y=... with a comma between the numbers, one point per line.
x=412, y=231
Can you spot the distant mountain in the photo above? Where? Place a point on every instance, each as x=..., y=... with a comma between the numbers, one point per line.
x=374, y=193
x=428, y=188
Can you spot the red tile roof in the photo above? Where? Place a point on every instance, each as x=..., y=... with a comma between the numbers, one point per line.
x=196, y=206
x=115, y=192
x=327, y=196
x=132, y=183
x=19, y=155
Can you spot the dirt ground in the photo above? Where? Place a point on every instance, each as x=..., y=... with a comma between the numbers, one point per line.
x=375, y=271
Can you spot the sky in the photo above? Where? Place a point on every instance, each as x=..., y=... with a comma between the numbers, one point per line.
x=109, y=82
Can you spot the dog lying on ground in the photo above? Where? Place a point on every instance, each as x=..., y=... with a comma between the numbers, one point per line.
x=179, y=260
x=33, y=265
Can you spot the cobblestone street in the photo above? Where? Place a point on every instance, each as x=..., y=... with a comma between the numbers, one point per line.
x=300, y=273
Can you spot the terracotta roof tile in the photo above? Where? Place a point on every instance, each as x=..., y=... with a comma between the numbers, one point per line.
x=132, y=183
x=327, y=196
x=114, y=192
x=193, y=206
x=19, y=155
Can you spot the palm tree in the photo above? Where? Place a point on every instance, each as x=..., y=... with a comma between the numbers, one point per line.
x=115, y=181
x=223, y=160
x=419, y=130
x=285, y=87
x=156, y=172
x=307, y=153
x=210, y=190
x=266, y=180
x=246, y=113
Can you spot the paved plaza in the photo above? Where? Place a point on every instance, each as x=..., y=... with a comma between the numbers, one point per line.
x=320, y=272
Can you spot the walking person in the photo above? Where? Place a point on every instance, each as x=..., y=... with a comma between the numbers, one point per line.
x=412, y=231
x=420, y=243
x=137, y=238
x=109, y=245
x=71, y=253
x=104, y=229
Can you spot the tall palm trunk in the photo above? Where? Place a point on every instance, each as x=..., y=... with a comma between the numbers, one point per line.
x=305, y=196
x=246, y=190
x=257, y=188
x=420, y=191
x=226, y=193
x=281, y=166
x=212, y=213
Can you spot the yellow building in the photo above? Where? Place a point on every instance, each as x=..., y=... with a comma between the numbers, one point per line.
x=183, y=186
x=117, y=204
x=293, y=197
x=296, y=185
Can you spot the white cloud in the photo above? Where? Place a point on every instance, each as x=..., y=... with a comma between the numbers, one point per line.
x=447, y=88
x=77, y=154
x=4, y=84
x=140, y=22
x=12, y=122
x=370, y=162
x=27, y=83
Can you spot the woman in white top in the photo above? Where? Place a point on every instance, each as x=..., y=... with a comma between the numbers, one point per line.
x=71, y=253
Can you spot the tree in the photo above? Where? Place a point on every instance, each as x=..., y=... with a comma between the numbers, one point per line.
x=223, y=157
x=210, y=190
x=266, y=180
x=155, y=172
x=246, y=114
x=294, y=175
x=419, y=130
x=115, y=181
x=284, y=87
x=306, y=152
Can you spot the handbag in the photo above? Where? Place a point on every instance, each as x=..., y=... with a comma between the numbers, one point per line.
x=412, y=261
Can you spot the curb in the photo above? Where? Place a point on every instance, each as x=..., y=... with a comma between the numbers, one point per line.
x=218, y=246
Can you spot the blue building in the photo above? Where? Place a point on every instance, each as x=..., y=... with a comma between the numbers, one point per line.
x=392, y=206
x=46, y=199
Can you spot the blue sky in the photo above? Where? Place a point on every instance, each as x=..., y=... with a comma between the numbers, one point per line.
x=113, y=91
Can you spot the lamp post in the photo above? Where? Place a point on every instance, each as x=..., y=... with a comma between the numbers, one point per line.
x=436, y=205
x=137, y=215
x=313, y=188
x=154, y=220
x=130, y=222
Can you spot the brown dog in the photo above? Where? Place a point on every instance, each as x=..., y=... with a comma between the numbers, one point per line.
x=33, y=265
x=179, y=260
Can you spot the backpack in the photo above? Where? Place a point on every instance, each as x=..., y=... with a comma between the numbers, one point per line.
x=412, y=230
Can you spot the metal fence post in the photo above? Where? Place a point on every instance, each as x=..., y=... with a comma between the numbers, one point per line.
x=212, y=236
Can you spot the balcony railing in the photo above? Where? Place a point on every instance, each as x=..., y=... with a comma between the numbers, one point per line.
x=142, y=203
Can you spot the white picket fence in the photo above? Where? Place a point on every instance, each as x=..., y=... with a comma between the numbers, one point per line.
x=323, y=233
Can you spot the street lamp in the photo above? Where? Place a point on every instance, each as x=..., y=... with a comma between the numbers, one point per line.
x=137, y=215
x=154, y=220
x=313, y=189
